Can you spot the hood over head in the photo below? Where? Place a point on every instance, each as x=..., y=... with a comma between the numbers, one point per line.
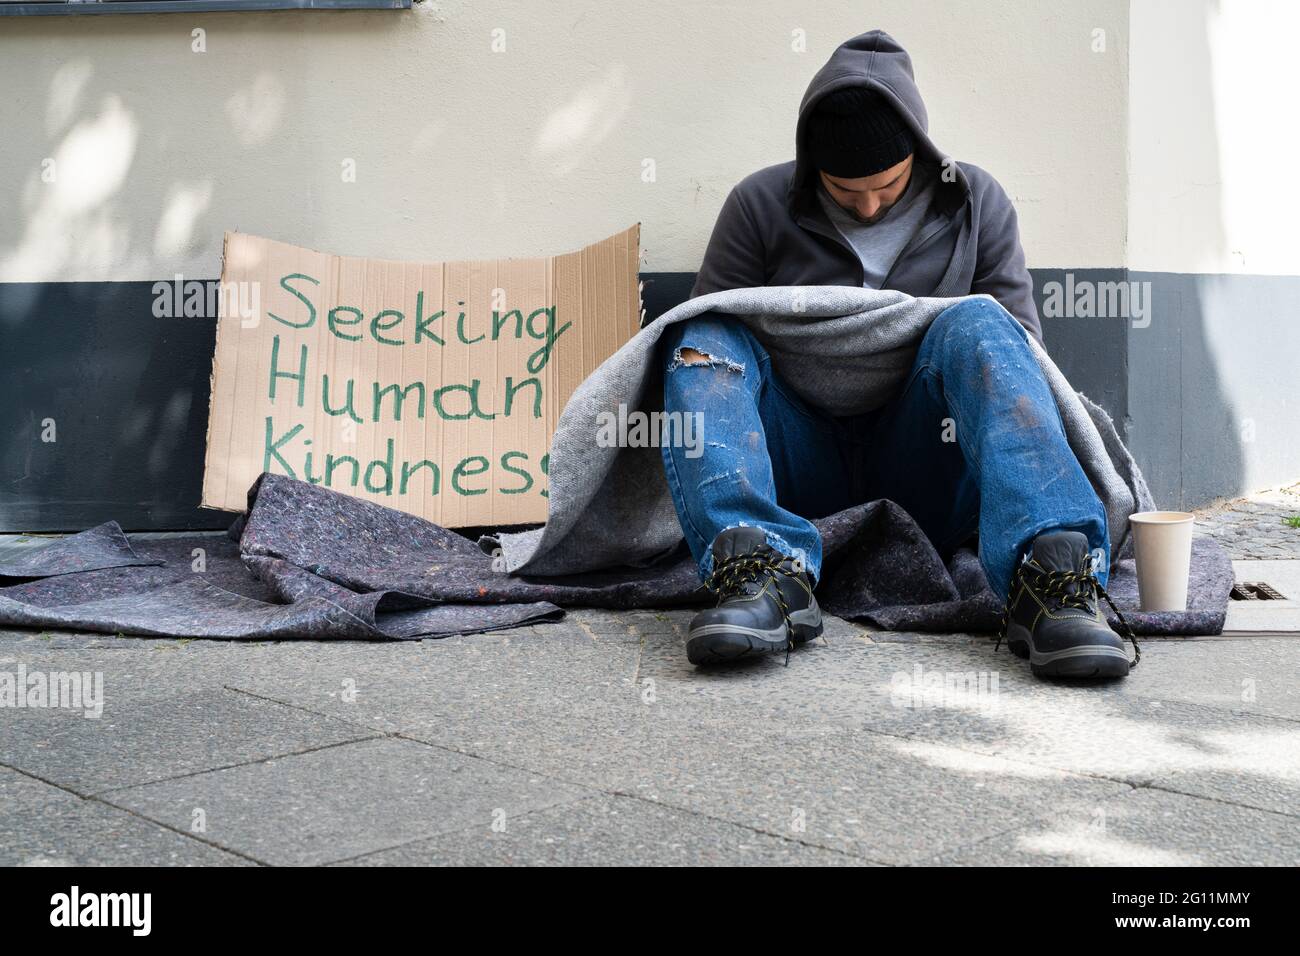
x=874, y=60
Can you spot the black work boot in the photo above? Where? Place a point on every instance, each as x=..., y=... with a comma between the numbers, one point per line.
x=1052, y=616
x=765, y=602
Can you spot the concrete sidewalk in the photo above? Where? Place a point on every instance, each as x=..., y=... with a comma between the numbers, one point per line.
x=593, y=741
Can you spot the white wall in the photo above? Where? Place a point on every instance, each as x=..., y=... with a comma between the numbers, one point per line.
x=462, y=152
x=1214, y=95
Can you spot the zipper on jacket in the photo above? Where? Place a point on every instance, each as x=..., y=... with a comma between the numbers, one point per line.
x=811, y=223
x=941, y=226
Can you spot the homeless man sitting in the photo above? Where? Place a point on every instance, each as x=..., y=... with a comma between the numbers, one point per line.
x=973, y=444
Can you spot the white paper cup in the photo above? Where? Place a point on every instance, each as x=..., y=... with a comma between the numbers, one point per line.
x=1163, y=542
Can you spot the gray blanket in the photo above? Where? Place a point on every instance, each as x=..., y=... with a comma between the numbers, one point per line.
x=844, y=350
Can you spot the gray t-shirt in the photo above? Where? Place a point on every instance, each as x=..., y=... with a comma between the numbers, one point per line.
x=879, y=244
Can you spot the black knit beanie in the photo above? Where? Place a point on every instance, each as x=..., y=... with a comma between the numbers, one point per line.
x=856, y=132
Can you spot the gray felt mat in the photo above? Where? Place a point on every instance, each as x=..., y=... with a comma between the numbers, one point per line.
x=308, y=562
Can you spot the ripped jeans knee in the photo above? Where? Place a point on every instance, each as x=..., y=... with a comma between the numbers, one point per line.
x=686, y=355
x=710, y=341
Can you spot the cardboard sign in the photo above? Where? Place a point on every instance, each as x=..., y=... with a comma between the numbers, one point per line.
x=434, y=388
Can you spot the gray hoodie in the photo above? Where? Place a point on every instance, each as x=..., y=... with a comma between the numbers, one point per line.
x=773, y=231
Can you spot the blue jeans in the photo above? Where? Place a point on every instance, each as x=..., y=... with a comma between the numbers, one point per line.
x=972, y=444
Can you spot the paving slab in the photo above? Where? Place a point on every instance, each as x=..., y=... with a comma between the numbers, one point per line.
x=607, y=831
x=1256, y=676
x=842, y=751
x=1144, y=828
x=1133, y=731
x=41, y=825
x=346, y=801
x=877, y=797
x=1281, y=617
x=843, y=684
x=887, y=800
x=519, y=679
x=30, y=640
x=824, y=684
x=137, y=741
x=1206, y=712
x=140, y=670
x=1107, y=730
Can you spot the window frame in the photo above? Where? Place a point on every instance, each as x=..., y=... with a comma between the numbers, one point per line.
x=36, y=8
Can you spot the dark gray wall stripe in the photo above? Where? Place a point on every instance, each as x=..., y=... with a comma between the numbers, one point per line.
x=1090, y=351
x=1213, y=396
x=128, y=397
x=128, y=392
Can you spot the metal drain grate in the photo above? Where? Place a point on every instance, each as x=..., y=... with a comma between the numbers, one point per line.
x=1255, y=591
